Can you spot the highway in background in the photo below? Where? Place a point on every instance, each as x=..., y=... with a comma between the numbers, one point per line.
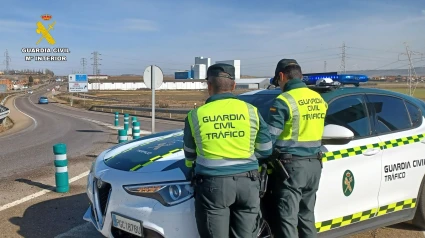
x=32, y=147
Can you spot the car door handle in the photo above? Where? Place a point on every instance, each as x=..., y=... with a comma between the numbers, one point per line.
x=370, y=152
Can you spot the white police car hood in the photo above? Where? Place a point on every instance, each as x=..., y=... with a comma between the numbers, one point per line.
x=154, y=153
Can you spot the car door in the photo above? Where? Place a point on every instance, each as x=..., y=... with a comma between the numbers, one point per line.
x=400, y=127
x=349, y=186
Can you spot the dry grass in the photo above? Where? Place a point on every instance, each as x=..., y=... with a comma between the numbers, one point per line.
x=182, y=98
x=164, y=99
x=6, y=125
x=402, y=88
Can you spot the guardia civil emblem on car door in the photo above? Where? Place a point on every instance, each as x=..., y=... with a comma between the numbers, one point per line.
x=347, y=183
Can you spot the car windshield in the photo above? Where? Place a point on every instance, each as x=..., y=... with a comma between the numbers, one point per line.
x=143, y=153
x=43, y=98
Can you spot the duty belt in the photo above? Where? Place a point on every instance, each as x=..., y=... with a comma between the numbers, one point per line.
x=249, y=174
x=253, y=175
x=285, y=156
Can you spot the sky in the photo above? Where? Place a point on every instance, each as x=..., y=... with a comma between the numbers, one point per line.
x=133, y=34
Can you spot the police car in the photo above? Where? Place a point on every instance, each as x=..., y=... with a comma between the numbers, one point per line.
x=373, y=168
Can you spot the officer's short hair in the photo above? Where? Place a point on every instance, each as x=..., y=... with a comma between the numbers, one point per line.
x=290, y=68
x=293, y=72
x=221, y=77
x=221, y=83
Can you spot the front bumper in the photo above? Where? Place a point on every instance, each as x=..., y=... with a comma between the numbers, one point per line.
x=158, y=221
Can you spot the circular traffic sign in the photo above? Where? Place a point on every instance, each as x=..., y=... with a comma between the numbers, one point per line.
x=157, y=74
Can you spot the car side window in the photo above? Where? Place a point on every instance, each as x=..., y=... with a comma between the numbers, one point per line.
x=415, y=114
x=350, y=112
x=390, y=113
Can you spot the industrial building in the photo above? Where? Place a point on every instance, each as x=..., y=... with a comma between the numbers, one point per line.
x=254, y=83
x=97, y=77
x=184, y=74
x=199, y=69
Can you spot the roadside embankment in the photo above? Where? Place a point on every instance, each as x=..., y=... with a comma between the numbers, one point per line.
x=16, y=121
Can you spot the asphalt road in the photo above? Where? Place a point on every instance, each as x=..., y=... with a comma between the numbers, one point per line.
x=33, y=147
x=29, y=207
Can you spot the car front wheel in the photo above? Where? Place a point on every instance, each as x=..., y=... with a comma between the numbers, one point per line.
x=419, y=219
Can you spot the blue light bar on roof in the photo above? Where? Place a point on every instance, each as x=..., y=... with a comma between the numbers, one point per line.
x=342, y=78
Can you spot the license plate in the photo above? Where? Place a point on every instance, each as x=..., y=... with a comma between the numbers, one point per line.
x=127, y=224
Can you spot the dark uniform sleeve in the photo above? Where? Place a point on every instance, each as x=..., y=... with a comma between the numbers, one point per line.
x=279, y=113
x=263, y=142
x=189, y=145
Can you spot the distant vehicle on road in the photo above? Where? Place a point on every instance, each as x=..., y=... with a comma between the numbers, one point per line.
x=43, y=100
x=30, y=92
x=373, y=169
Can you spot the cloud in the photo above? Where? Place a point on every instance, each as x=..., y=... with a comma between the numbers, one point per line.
x=15, y=26
x=423, y=12
x=306, y=30
x=253, y=29
x=139, y=25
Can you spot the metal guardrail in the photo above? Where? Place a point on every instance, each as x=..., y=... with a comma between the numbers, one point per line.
x=4, y=111
x=140, y=109
x=173, y=114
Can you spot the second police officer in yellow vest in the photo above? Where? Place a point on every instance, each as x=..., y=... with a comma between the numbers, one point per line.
x=226, y=137
x=296, y=124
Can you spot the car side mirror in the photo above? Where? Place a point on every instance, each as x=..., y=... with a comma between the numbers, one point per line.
x=336, y=135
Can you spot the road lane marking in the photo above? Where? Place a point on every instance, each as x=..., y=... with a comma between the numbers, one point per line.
x=41, y=193
x=35, y=121
x=90, y=120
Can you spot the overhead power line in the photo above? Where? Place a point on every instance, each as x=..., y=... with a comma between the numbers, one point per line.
x=342, y=67
x=96, y=59
x=411, y=70
x=7, y=61
x=84, y=63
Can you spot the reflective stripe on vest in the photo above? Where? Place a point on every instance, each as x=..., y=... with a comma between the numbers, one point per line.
x=224, y=132
x=307, y=111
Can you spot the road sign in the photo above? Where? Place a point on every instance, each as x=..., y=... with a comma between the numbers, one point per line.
x=77, y=87
x=155, y=73
x=153, y=77
x=78, y=78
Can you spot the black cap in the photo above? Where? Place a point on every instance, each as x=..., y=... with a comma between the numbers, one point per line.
x=216, y=69
x=283, y=63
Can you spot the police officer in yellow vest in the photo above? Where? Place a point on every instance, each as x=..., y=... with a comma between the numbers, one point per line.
x=296, y=123
x=226, y=137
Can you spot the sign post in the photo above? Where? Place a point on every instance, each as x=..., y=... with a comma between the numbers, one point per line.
x=153, y=78
x=77, y=83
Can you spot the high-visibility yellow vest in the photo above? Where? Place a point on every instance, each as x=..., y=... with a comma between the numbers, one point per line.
x=224, y=131
x=304, y=127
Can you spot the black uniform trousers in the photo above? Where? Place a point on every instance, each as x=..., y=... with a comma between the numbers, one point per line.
x=289, y=205
x=227, y=206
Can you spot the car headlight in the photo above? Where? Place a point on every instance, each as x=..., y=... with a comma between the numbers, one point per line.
x=168, y=194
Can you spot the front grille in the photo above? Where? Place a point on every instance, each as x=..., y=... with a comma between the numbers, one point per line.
x=148, y=233
x=104, y=193
x=101, y=199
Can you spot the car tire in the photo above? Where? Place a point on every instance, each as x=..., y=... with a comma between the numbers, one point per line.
x=419, y=218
